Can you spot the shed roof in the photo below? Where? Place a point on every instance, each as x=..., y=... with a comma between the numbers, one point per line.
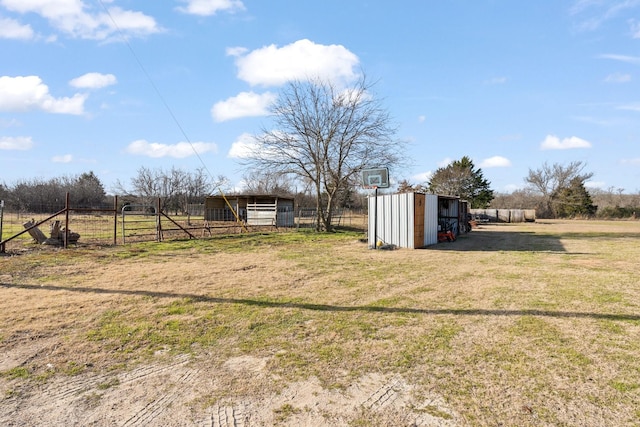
x=249, y=196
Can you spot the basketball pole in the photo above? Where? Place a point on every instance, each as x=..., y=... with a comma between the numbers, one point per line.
x=375, y=217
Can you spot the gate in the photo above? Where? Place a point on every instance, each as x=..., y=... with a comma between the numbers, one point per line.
x=140, y=221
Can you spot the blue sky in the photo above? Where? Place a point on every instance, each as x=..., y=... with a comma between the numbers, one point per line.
x=113, y=85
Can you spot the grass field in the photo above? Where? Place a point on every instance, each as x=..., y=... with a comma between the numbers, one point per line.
x=511, y=325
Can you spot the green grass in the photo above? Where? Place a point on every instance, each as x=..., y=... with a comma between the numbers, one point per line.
x=17, y=372
x=492, y=331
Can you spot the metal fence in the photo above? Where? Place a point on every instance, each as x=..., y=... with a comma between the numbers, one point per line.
x=101, y=226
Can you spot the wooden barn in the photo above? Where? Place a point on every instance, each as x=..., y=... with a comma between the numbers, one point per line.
x=252, y=209
x=415, y=220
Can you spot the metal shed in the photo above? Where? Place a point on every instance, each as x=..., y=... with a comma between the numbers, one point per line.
x=406, y=220
x=413, y=220
x=261, y=210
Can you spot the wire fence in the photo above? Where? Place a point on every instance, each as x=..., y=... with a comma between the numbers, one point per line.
x=104, y=226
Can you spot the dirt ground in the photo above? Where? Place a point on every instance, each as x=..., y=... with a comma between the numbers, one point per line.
x=177, y=390
x=163, y=394
x=171, y=390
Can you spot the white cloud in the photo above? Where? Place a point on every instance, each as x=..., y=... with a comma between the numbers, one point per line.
x=273, y=66
x=236, y=51
x=552, y=142
x=65, y=158
x=496, y=81
x=445, y=162
x=178, y=151
x=422, y=118
x=211, y=7
x=245, y=104
x=422, y=177
x=623, y=58
x=632, y=162
x=126, y=21
x=93, y=81
x=12, y=29
x=496, y=162
x=599, y=121
x=26, y=93
x=8, y=123
x=595, y=184
x=76, y=19
x=629, y=107
x=618, y=78
x=22, y=143
x=243, y=147
x=510, y=188
x=599, y=11
x=635, y=29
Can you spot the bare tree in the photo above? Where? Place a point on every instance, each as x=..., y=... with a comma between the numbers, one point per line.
x=266, y=182
x=550, y=179
x=176, y=188
x=405, y=186
x=146, y=185
x=327, y=136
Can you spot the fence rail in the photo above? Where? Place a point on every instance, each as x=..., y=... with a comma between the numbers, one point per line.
x=102, y=226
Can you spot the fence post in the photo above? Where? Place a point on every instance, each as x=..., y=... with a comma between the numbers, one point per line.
x=158, y=223
x=115, y=219
x=66, y=221
x=1, y=219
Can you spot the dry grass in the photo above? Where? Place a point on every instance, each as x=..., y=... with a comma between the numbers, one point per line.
x=529, y=325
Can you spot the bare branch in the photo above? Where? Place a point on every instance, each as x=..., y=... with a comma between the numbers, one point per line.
x=326, y=136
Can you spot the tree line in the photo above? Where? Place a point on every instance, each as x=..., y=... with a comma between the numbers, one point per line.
x=554, y=191
x=176, y=189
x=323, y=137
x=48, y=196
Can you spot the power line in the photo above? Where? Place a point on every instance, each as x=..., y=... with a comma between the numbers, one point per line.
x=167, y=107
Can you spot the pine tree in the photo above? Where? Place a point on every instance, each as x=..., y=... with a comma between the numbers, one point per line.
x=461, y=178
x=573, y=200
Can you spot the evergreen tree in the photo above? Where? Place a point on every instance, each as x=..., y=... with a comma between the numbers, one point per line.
x=87, y=190
x=573, y=200
x=461, y=178
x=550, y=180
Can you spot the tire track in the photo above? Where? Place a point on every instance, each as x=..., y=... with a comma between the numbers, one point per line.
x=75, y=386
x=229, y=416
x=385, y=395
x=156, y=408
x=151, y=370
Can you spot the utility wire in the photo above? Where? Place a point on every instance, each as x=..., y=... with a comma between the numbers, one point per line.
x=168, y=108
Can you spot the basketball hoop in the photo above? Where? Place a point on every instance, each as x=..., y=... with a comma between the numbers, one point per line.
x=375, y=178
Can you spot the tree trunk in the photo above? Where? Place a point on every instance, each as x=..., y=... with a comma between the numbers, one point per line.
x=319, y=216
x=328, y=215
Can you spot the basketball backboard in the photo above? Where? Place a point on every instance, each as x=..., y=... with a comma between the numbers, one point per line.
x=375, y=178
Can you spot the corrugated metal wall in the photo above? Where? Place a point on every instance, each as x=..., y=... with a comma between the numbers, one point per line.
x=430, y=220
x=393, y=218
x=396, y=223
